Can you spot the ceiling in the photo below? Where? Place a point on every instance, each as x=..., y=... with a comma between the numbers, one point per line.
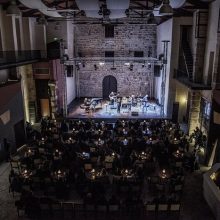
x=138, y=9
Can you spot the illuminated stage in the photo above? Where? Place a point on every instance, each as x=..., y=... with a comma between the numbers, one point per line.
x=107, y=110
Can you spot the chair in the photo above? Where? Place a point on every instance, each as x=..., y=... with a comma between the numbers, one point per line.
x=175, y=210
x=78, y=210
x=15, y=165
x=150, y=210
x=162, y=210
x=101, y=211
x=56, y=209
x=68, y=209
x=87, y=166
x=90, y=210
x=45, y=210
x=178, y=164
x=108, y=165
x=178, y=188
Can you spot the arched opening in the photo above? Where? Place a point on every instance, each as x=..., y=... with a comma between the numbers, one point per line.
x=109, y=84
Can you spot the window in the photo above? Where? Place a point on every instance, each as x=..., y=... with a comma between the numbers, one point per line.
x=109, y=31
x=138, y=54
x=109, y=53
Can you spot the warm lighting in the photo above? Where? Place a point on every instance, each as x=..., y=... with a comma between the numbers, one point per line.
x=163, y=171
x=25, y=171
x=113, y=154
x=126, y=171
x=59, y=172
x=143, y=153
x=177, y=151
x=93, y=171
x=13, y=9
x=202, y=150
x=213, y=176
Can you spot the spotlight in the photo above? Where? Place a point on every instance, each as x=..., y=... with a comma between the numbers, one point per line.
x=95, y=67
x=13, y=9
x=166, y=9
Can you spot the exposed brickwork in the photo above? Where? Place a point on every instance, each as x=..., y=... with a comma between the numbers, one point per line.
x=91, y=42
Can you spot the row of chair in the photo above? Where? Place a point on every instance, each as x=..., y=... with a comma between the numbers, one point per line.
x=73, y=210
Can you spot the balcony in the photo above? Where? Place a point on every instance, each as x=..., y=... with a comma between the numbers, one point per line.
x=17, y=58
x=183, y=78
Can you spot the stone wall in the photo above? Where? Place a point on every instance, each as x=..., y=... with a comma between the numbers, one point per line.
x=91, y=42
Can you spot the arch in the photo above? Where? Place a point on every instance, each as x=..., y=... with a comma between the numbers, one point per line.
x=109, y=84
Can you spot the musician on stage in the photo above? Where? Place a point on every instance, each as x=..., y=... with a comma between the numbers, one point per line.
x=112, y=97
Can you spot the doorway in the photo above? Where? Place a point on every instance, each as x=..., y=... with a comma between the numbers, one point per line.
x=109, y=84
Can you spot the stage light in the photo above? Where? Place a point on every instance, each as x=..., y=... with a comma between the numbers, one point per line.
x=101, y=63
x=166, y=9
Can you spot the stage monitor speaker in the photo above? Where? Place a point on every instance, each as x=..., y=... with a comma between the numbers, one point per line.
x=69, y=71
x=134, y=114
x=156, y=70
x=175, y=112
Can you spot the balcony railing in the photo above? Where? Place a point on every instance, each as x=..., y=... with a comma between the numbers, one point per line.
x=182, y=77
x=15, y=57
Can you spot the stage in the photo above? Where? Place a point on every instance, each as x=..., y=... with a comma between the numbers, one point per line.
x=105, y=110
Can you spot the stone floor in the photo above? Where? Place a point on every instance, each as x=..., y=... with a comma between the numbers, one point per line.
x=193, y=205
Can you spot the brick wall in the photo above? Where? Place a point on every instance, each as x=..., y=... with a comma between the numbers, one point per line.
x=91, y=42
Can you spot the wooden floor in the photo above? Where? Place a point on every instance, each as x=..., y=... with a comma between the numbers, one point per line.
x=109, y=112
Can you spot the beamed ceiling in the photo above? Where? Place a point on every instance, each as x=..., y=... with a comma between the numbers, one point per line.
x=137, y=8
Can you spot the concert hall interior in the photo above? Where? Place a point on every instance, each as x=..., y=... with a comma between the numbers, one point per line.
x=110, y=109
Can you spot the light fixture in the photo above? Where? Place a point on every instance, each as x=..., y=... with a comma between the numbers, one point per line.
x=152, y=19
x=101, y=63
x=166, y=9
x=13, y=9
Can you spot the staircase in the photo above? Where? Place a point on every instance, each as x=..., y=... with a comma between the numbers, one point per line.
x=32, y=111
x=188, y=58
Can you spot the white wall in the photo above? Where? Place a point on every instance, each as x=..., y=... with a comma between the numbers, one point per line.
x=71, y=88
x=211, y=43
